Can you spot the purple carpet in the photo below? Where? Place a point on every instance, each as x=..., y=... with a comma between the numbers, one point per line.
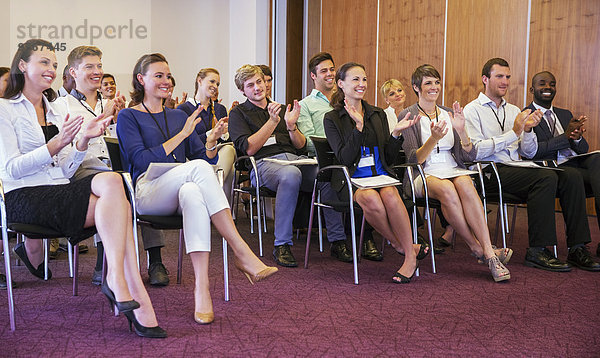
x=459, y=311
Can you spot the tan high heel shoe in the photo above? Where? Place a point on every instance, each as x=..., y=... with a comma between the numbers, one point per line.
x=204, y=318
x=263, y=274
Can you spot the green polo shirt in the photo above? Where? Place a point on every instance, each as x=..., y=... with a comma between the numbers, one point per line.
x=312, y=110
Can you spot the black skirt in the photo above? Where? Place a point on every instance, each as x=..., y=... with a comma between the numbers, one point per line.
x=62, y=208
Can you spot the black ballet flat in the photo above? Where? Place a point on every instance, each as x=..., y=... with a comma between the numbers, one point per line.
x=123, y=306
x=143, y=331
x=38, y=272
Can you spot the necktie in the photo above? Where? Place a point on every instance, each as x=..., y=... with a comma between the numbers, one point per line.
x=551, y=122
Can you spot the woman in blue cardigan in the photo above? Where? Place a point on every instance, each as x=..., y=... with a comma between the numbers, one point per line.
x=150, y=133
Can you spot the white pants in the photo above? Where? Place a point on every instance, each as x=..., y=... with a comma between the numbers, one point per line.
x=190, y=189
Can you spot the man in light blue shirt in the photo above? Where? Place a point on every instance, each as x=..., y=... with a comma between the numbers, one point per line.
x=310, y=123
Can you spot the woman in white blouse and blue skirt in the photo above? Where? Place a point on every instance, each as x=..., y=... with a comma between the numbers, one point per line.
x=441, y=144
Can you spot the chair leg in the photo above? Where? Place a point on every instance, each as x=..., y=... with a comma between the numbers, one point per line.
x=319, y=220
x=362, y=233
x=309, y=234
x=225, y=270
x=46, y=245
x=180, y=257
x=8, y=272
x=512, y=226
x=260, y=243
x=264, y=216
x=20, y=238
x=354, y=250
x=75, y=269
x=252, y=216
x=430, y=233
x=70, y=254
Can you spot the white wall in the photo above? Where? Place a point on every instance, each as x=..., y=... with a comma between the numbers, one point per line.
x=191, y=34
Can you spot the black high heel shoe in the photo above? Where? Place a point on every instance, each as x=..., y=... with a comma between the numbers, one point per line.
x=143, y=331
x=404, y=279
x=123, y=306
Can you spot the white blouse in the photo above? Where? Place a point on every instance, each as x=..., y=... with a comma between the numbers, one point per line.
x=24, y=157
x=443, y=160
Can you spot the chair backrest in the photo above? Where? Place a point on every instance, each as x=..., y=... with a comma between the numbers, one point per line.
x=114, y=153
x=325, y=155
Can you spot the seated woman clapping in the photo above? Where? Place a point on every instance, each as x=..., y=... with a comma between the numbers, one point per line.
x=35, y=176
x=441, y=143
x=359, y=136
x=150, y=133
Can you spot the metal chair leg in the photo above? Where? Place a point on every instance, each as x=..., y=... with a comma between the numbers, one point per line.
x=75, y=268
x=8, y=272
x=46, y=245
x=70, y=254
x=225, y=270
x=180, y=257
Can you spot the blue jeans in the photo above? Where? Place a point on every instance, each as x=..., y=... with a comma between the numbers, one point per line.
x=288, y=181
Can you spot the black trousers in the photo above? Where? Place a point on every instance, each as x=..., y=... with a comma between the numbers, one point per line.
x=539, y=188
x=589, y=168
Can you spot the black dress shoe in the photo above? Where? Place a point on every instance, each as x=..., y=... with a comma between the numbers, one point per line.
x=3, y=284
x=340, y=251
x=38, y=272
x=582, y=258
x=284, y=257
x=159, y=276
x=370, y=251
x=542, y=258
x=97, y=277
x=424, y=244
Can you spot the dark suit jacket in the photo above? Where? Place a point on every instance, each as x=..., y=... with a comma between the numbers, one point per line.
x=548, y=145
x=346, y=140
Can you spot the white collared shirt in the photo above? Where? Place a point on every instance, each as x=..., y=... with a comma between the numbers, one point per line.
x=97, y=148
x=558, y=130
x=485, y=122
x=24, y=156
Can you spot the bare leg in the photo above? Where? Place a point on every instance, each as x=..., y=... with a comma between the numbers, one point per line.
x=476, y=220
x=375, y=207
x=109, y=210
x=444, y=191
x=35, y=252
x=202, y=300
x=223, y=222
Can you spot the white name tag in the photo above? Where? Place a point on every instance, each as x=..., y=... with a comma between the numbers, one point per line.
x=366, y=161
x=270, y=141
x=437, y=158
x=56, y=173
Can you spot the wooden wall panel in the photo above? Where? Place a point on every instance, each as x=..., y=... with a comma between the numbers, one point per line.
x=411, y=33
x=313, y=39
x=477, y=31
x=293, y=59
x=565, y=40
x=349, y=33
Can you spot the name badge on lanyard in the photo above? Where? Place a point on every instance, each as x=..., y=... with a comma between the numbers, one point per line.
x=437, y=157
x=56, y=172
x=366, y=158
x=270, y=141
